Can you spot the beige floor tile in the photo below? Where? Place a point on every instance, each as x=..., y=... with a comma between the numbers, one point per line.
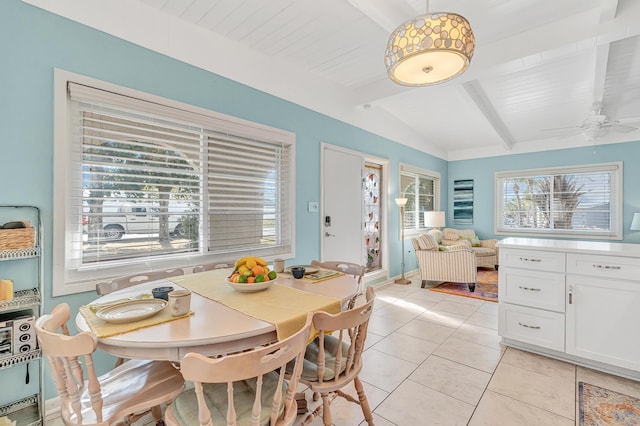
x=554, y=394
x=462, y=309
x=400, y=313
x=443, y=318
x=498, y=410
x=451, y=378
x=406, y=347
x=426, y=330
x=539, y=364
x=416, y=305
x=383, y=326
x=480, y=335
x=426, y=295
x=490, y=308
x=372, y=339
x=470, y=354
x=482, y=319
x=466, y=300
x=379, y=421
x=608, y=381
x=385, y=371
x=413, y=404
x=344, y=412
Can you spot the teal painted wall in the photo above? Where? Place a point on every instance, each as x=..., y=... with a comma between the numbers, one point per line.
x=483, y=171
x=33, y=42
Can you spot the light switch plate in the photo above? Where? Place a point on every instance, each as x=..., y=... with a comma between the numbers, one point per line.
x=313, y=207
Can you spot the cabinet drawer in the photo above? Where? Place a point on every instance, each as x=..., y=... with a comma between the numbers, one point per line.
x=534, y=326
x=627, y=268
x=535, y=289
x=536, y=260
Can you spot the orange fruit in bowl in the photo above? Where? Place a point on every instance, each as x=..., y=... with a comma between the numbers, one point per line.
x=257, y=270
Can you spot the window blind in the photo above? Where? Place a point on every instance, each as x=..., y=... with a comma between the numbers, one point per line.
x=150, y=182
x=420, y=188
x=582, y=200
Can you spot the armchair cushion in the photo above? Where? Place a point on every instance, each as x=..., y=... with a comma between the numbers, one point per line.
x=485, y=250
x=426, y=242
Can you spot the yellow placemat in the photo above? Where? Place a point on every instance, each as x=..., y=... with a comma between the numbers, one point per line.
x=102, y=328
x=283, y=306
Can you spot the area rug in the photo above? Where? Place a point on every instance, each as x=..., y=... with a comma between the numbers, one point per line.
x=486, y=286
x=603, y=407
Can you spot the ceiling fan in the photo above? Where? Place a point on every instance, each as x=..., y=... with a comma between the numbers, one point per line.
x=595, y=126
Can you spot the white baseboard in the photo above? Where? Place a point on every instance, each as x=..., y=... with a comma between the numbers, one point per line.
x=51, y=409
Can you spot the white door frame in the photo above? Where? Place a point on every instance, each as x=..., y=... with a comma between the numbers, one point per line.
x=382, y=273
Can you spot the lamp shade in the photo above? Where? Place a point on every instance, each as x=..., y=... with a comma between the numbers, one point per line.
x=635, y=223
x=400, y=202
x=434, y=219
x=429, y=49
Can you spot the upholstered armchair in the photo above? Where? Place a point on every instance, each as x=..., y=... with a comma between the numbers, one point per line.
x=485, y=250
x=455, y=263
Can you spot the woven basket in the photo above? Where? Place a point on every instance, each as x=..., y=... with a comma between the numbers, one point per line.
x=14, y=239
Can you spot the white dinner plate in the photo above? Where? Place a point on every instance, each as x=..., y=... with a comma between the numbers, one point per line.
x=250, y=287
x=130, y=311
x=308, y=269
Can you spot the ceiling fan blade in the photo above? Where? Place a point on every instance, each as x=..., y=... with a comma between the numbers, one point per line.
x=561, y=128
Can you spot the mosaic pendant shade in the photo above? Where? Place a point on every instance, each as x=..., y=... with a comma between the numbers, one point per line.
x=429, y=49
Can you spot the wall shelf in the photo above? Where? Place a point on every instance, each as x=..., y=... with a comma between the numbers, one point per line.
x=25, y=412
x=22, y=299
x=27, y=407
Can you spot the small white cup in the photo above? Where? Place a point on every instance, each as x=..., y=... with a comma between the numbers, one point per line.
x=278, y=265
x=179, y=302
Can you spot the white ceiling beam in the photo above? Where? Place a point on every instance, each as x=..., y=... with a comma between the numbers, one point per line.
x=600, y=74
x=572, y=34
x=481, y=100
x=608, y=9
x=385, y=13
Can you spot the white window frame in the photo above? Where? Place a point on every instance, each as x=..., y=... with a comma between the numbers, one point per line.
x=67, y=281
x=417, y=172
x=616, y=231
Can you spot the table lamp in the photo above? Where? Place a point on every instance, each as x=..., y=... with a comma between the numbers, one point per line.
x=401, y=203
x=435, y=220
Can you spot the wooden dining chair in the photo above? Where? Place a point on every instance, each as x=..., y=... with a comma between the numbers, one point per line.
x=118, y=396
x=349, y=268
x=334, y=358
x=247, y=388
x=223, y=264
x=119, y=283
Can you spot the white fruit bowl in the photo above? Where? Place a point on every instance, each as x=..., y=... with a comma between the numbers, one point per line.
x=250, y=288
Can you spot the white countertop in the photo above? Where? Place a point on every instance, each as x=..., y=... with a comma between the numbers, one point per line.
x=572, y=246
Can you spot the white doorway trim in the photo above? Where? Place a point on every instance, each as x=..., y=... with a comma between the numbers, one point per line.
x=383, y=273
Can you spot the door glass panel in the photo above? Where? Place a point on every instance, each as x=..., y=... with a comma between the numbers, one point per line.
x=372, y=219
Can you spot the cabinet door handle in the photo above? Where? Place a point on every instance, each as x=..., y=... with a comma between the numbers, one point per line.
x=529, y=288
x=528, y=259
x=533, y=327
x=570, y=294
x=607, y=267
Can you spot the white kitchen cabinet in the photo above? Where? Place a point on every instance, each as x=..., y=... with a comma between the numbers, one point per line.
x=574, y=300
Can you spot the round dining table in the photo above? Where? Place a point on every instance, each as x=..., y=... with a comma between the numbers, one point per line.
x=213, y=329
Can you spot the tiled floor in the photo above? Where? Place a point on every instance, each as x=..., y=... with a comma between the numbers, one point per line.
x=436, y=359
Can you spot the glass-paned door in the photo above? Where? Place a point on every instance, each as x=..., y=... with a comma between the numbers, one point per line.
x=372, y=219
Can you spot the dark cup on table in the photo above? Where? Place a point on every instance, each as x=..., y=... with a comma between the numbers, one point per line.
x=297, y=272
x=161, y=292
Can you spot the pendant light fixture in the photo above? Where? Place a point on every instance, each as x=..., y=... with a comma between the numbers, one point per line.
x=429, y=49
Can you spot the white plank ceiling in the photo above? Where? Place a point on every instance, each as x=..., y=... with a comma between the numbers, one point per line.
x=538, y=64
